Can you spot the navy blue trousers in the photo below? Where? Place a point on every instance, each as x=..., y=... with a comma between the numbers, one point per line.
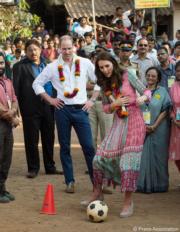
x=66, y=118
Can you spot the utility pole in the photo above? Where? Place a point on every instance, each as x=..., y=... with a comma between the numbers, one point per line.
x=153, y=20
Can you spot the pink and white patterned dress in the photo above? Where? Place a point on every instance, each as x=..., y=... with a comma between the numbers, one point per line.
x=118, y=158
x=174, y=148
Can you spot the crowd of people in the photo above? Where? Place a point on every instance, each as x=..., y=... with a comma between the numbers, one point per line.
x=121, y=81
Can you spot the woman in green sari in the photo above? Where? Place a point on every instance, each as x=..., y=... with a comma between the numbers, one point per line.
x=153, y=175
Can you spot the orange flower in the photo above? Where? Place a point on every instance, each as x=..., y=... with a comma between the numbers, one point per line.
x=62, y=78
x=66, y=94
x=60, y=67
x=124, y=113
x=77, y=62
x=77, y=74
x=76, y=90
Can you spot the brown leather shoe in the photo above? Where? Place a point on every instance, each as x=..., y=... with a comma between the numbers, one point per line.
x=31, y=175
x=70, y=188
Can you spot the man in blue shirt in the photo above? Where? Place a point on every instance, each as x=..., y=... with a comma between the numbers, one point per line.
x=166, y=68
x=37, y=69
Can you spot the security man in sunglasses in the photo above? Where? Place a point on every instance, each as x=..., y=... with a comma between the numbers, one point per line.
x=125, y=54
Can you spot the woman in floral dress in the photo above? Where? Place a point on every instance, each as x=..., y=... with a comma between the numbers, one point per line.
x=117, y=160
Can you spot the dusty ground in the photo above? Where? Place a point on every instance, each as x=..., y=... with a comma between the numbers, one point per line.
x=153, y=212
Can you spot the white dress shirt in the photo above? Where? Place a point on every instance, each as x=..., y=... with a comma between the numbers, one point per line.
x=153, y=53
x=51, y=73
x=125, y=19
x=82, y=30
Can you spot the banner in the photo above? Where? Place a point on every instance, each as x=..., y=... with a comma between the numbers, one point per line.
x=142, y=4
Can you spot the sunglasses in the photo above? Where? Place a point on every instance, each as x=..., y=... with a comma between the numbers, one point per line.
x=126, y=49
x=143, y=45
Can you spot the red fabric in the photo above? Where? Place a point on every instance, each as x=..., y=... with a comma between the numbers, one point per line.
x=9, y=92
x=50, y=54
x=174, y=148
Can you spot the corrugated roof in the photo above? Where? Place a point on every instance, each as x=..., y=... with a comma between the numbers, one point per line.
x=78, y=8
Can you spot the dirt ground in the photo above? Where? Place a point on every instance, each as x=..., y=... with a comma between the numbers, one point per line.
x=153, y=212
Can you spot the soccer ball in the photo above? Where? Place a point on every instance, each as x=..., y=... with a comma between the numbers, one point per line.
x=97, y=211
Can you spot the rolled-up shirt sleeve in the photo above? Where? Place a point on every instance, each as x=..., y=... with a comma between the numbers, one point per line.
x=91, y=71
x=41, y=80
x=14, y=98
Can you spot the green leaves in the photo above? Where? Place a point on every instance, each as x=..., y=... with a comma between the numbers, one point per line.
x=25, y=32
x=17, y=21
x=23, y=5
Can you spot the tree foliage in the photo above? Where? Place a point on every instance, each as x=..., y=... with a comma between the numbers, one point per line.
x=17, y=21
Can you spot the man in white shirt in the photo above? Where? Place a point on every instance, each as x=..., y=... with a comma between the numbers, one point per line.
x=143, y=59
x=124, y=16
x=83, y=27
x=68, y=75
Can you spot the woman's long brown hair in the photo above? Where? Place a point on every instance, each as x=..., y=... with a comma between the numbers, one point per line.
x=116, y=78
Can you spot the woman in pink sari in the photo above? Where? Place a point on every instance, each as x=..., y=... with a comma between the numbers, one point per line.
x=174, y=149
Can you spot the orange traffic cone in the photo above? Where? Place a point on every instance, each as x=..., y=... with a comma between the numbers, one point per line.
x=48, y=204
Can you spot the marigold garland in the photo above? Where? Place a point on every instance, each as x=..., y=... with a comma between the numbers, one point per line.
x=62, y=79
x=61, y=75
x=77, y=68
x=71, y=95
x=121, y=110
